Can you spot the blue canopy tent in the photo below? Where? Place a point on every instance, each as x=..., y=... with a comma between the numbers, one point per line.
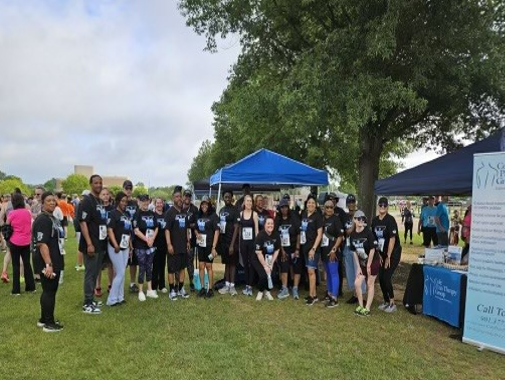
x=265, y=167
x=449, y=175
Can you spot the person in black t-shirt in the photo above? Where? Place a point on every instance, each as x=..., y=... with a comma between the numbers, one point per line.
x=366, y=259
x=119, y=248
x=311, y=233
x=248, y=224
x=160, y=255
x=287, y=225
x=145, y=229
x=408, y=221
x=106, y=197
x=93, y=222
x=227, y=246
x=191, y=210
x=262, y=213
x=131, y=209
x=207, y=235
x=177, y=234
x=388, y=245
x=267, y=246
x=47, y=260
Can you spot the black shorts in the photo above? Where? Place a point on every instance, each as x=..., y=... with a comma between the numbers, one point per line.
x=177, y=262
x=64, y=222
x=223, y=249
x=203, y=255
x=284, y=265
x=133, y=261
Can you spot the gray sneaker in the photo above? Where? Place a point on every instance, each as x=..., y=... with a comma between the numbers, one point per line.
x=172, y=296
x=182, y=293
x=284, y=293
x=224, y=290
x=295, y=294
x=233, y=291
x=390, y=308
x=383, y=306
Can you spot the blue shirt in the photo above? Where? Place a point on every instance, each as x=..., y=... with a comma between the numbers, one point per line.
x=428, y=215
x=443, y=215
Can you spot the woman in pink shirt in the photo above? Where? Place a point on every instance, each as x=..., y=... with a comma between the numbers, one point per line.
x=20, y=220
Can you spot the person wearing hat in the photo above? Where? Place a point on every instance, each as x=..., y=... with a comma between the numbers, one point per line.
x=131, y=209
x=79, y=266
x=145, y=229
x=385, y=229
x=366, y=260
x=427, y=221
x=288, y=226
x=192, y=211
x=227, y=246
x=207, y=236
x=311, y=233
x=177, y=235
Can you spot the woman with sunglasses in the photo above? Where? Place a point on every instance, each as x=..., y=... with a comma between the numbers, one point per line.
x=330, y=244
x=311, y=234
x=366, y=260
x=388, y=244
x=248, y=223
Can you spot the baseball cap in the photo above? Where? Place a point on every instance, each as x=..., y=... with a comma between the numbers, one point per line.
x=284, y=203
x=351, y=198
x=359, y=214
x=333, y=195
x=383, y=200
x=177, y=189
x=286, y=196
x=205, y=199
x=143, y=197
x=127, y=184
x=188, y=192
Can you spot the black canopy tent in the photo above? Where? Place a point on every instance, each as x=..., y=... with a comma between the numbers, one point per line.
x=450, y=174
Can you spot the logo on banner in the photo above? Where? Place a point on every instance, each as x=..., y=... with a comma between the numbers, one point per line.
x=490, y=175
x=433, y=286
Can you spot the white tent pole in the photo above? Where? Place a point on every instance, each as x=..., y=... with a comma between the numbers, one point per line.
x=218, y=197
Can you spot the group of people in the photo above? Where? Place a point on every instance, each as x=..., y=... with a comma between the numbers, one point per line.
x=153, y=241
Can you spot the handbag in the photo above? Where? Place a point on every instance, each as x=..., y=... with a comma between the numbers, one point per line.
x=7, y=231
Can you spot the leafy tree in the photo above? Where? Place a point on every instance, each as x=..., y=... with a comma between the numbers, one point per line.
x=50, y=185
x=2, y=175
x=7, y=186
x=139, y=190
x=74, y=184
x=115, y=189
x=342, y=82
x=202, y=165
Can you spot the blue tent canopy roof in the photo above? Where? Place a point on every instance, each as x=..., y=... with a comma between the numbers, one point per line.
x=448, y=175
x=267, y=167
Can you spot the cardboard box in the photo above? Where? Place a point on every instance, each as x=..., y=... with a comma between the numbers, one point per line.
x=454, y=254
x=434, y=255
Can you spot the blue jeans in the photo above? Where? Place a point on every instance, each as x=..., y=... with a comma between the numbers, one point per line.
x=119, y=261
x=350, y=270
x=332, y=279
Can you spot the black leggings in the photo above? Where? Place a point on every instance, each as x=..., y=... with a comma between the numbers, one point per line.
x=21, y=251
x=248, y=255
x=159, y=264
x=386, y=275
x=48, y=298
x=429, y=235
x=408, y=227
x=262, y=275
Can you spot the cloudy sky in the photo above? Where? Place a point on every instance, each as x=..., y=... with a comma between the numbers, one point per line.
x=124, y=86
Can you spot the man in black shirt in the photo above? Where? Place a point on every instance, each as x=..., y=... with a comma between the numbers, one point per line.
x=177, y=235
x=192, y=212
x=342, y=216
x=131, y=209
x=246, y=189
x=93, y=222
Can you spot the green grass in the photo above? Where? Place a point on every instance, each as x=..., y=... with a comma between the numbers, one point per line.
x=230, y=338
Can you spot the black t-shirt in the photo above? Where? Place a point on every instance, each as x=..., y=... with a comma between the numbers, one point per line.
x=207, y=225
x=131, y=208
x=146, y=223
x=192, y=212
x=177, y=224
x=288, y=229
x=362, y=243
x=408, y=216
x=267, y=244
x=332, y=229
x=228, y=217
x=341, y=214
x=262, y=217
x=94, y=213
x=384, y=230
x=121, y=224
x=309, y=226
x=47, y=229
x=160, y=240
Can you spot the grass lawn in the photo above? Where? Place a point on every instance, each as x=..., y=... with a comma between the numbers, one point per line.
x=231, y=338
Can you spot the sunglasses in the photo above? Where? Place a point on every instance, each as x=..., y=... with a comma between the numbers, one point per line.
x=383, y=205
x=360, y=219
x=128, y=188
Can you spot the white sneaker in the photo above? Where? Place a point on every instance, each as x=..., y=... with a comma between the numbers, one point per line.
x=259, y=297
x=224, y=290
x=390, y=308
x=173, y=296
x=142, y=296
x=164, y=290
x=383, y=306
x=152, y=294
x=233, y=291
x=268, y=295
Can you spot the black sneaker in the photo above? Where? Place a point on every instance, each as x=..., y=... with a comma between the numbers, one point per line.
x=42, y=324
x=209, y=294
x=326, y=298
x=201, y=293
x=333, y=303
x=307, y=298
x=353, y=300
x=134, y=288
x=310, y=301
x=53, y=327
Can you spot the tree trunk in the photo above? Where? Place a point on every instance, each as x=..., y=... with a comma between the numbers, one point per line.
x=370, y=151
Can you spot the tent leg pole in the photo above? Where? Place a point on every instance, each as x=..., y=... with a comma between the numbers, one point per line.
x=218, y=197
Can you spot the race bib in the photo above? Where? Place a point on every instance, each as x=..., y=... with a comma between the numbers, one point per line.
x=222, y=226
x=269, y=259
x=431, y=220
x=202, y=240
x=125, y=241
x=325, y=242
x=380, y=244
x=348, y=241
x=303, y=237
x=285, y=239
x=61, y=245
x=247, y=233
x=102, y=229
x=149, y=233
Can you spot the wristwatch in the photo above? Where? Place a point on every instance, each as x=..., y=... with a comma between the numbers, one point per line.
x=49, y=265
